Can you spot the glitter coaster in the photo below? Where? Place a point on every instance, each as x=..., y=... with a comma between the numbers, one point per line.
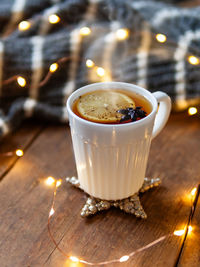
x=129, y=205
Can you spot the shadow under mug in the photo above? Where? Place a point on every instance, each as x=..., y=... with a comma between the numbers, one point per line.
x=111, y=159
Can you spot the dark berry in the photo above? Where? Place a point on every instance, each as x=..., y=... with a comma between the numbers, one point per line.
x=131, y=114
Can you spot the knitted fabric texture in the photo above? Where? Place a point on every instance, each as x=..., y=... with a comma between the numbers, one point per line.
x=140, y=59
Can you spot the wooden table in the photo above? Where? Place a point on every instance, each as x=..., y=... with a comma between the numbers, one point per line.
x=26, y=201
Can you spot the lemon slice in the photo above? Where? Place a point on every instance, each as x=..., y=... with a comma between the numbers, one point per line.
x=102, y=106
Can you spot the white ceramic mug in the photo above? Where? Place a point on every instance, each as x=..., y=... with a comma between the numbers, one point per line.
x=111, y=159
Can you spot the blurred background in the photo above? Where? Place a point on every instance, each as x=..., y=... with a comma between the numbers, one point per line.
x=49, y=48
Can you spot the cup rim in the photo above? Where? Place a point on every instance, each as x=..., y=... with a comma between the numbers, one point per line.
x=126, y=86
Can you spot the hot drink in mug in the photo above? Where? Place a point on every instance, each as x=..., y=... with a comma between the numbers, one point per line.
x=112, y=125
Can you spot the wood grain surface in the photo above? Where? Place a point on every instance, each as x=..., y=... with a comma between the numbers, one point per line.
x=21, y=139
x=26, y=200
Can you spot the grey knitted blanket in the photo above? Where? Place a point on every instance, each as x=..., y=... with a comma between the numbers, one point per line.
x=134, y=55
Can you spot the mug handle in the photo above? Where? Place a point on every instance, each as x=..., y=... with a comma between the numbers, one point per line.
x=162, y=113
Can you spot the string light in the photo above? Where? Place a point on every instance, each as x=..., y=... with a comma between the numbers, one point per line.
x=122, y=34
x=74, y=259
x=19, y=152
x=124, y=258
x=193, y=192
x=53, y=67
x=193, y=60
x=89, y=63
x=192, y=111
x=189, y=229
x=179, y=232
x=58, y=183
x=21, y=81
x=100, y=71
x=50, y=180
x=161, y=37
x=52, y=211
x=53, y=19
x=85, y=31
x=24, y=25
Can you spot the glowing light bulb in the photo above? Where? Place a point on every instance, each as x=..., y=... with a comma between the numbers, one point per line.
x=189, y=229
x=89, y=63
x=24, y=25
x=193, y=60
x=179, y=232
x=21, y=81
x=53, y=19
x=192, y=111
x=100, y=71
x=193, y=192
x=74, y=259
x=85, y=31
x=50, y=180
x=161, y=37
x=124, y=258
x=53, y=67
x=52, y=211
x=19, y=152
x=58, y=183
x=122, y=34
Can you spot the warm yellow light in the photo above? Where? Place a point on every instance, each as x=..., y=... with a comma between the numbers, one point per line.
x=122, y=34
x=50, y=180
x=179, y=232
x=100, y=71
x=74, y=259
x=53, y=19
x=189, y=229
x=192, y=111
x=58, y=183
x=24, y=25
x=21, y=81
x=85, y=31
x=193, y=60
x=193, y=192
x=19, y=152
x=89, y=63
x=53, y=67
x=52, y=211
x=161, y=37
x=124, y=258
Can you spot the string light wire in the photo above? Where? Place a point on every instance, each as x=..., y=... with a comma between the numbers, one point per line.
x=188, y=230
x=50, y=72
x=100, y=71
x=18, y=152
x=195, y=193
x=124, y=258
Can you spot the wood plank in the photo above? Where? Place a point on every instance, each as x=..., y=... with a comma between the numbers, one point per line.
x=25, y=198
x=20, y=139
x=191, y=251
x=26, y=202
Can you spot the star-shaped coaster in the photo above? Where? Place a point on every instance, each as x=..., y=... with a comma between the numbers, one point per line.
x=129, y=205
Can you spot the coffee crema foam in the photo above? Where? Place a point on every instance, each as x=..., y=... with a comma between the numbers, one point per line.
x=104, y=106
